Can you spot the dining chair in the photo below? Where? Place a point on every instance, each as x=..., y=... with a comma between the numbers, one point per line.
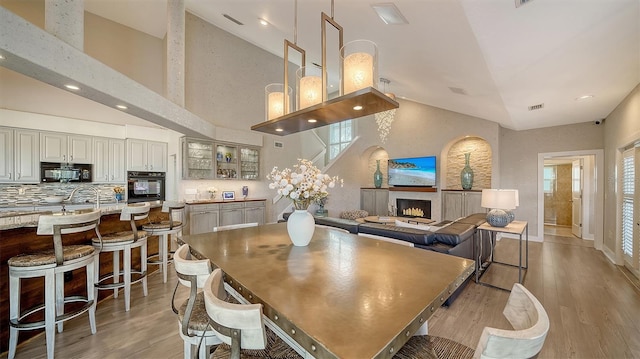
x=192, y=316
x=123, y=242
x=234, y=226
x=240, y=326
x=526, y=315
x=165, y=229
x=52, y=265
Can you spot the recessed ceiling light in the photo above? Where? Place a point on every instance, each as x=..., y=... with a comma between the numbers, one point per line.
x=263, y=22
x=122, y=107
x=312, y=120
x=357, y=108
x=72, y=87
x=279, y=130
x=1, y=57
x=389, y=14
x=585, y=97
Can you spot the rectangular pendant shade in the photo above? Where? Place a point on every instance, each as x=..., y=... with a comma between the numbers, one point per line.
x=328, y=112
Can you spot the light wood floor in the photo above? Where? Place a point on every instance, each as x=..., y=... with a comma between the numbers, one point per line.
x=594, y=310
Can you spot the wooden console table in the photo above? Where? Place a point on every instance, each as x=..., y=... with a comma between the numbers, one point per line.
x=516, y=227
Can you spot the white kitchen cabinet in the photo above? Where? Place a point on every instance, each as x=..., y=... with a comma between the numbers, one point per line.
x=61, y=147
x=456, y=204
x=145, y=155
x=109, y=160
x=7, y=171
x=19, y=161
x=375, y=201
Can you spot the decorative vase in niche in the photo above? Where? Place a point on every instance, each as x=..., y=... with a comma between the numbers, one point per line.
x=300, y=227
x=377, y=175
x=466, y=176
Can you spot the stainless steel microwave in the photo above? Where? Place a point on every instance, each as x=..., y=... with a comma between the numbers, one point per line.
x=65, y=172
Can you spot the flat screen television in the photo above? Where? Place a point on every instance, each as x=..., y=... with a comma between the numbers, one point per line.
x=414, y=171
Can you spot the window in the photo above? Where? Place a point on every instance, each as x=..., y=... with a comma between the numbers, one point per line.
x=340, y=135
x=549, y=179
x=628, y=176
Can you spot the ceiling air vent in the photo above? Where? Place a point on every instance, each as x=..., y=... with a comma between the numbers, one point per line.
x=458, y=90
x=232, y=19
x=522, y=2
x=536, y=107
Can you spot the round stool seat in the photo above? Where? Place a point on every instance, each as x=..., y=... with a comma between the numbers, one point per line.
x=49, y=257
x=162, y=226
x=119, y=238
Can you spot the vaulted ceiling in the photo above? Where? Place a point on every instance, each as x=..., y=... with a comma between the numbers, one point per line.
x=485, y=58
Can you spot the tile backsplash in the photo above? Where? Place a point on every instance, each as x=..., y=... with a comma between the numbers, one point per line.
x=35, y=193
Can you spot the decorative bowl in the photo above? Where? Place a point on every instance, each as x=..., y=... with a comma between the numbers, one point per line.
x=54, y=199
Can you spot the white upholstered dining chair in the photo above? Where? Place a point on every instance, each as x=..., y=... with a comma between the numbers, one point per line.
x=240, y=326
x=192, y=317
x=523, y=311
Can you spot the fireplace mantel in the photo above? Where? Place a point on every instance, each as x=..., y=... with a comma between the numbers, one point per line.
x=413, y=189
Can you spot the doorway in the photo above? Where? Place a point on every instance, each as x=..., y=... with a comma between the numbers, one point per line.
x=570, y=197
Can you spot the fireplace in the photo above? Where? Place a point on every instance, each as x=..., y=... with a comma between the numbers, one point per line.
x=413, y=208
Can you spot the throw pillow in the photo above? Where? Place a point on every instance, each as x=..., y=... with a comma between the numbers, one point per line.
x=354, y=214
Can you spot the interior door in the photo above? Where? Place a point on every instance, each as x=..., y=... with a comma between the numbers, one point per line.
x=576, y=198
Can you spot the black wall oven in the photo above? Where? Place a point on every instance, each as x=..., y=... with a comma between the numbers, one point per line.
x=145, y=186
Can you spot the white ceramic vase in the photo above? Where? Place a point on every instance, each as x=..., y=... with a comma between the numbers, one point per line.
x=300, y=227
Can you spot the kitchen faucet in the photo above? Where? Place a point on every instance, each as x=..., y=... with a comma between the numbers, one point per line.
x=88, y=187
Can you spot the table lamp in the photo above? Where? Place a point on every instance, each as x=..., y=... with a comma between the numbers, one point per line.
x=499, y=201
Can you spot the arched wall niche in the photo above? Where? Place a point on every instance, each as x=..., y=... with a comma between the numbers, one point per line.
x=453, y=162
x=370, y=156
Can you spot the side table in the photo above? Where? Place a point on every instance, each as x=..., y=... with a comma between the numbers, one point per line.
x=515, y=227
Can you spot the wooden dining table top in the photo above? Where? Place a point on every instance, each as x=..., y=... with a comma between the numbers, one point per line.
x=342, y=296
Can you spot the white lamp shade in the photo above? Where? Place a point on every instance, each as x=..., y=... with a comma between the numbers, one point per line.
x=275, y=101
x=499, y=199
x=309, y=86
x=360, y=61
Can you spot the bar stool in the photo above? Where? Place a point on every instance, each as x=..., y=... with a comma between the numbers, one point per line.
x=123, y=242
x=52, y=265
x=163, y=229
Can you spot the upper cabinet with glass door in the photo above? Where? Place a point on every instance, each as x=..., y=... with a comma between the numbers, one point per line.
x=197, y=159
x=226, y=161
x=249, y=163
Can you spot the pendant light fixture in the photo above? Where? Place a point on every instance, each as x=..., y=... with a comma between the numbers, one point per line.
x=359, y=97
x=277, y=103
x=385, y=118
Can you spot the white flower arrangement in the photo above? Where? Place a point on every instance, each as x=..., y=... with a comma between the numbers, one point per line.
x=302, y=185
x=212, y=191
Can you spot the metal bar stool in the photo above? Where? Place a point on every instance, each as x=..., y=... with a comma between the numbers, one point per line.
x=52, y=265
x=123, y=242
x=164, y=229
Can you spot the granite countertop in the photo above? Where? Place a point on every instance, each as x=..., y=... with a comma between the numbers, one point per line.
x=29, y=218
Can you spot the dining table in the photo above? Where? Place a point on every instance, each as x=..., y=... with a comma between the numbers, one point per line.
x=342, y=295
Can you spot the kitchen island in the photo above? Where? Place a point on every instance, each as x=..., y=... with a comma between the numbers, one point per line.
x=18, y=235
